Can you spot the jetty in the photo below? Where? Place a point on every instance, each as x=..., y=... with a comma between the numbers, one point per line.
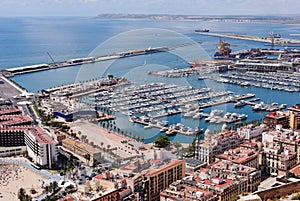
x=271, y=41
x=226, y=100
x=9, y=72
x=179, y=128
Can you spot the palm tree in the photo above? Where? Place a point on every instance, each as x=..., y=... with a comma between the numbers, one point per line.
x=101, y=143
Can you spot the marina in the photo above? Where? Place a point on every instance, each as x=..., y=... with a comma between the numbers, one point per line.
x=289, y=82
x=147, y=104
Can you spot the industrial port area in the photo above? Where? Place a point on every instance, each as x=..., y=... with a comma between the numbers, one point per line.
x=72, y=135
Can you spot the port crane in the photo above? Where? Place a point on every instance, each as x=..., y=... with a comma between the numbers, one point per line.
x=224, y=48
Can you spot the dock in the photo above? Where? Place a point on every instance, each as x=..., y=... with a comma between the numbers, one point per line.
x=149, y=124
x=270, y=41
x=87, y=60
x=226, y=100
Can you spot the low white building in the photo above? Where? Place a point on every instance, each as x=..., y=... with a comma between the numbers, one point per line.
x=251, y=131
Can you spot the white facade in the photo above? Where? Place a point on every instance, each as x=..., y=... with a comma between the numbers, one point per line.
x=217, y=144
x=41, y=148
x=250, y=132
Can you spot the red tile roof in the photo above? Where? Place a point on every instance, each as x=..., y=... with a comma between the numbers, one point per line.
x=296, y=170
x=38, y=132
x=10, y=120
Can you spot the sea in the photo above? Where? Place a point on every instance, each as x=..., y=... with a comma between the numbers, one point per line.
x=36, y=40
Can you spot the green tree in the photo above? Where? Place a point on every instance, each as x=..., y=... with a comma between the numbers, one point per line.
x=162, y=141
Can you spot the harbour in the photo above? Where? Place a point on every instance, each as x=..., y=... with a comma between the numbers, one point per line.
x=122, y=103
x=198, y=75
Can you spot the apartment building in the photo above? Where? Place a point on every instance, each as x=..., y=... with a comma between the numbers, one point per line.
x=228, y=169
x=207, y=149
x=250, y=132
x=160, y=176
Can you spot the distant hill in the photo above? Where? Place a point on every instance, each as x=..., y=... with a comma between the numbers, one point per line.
x=234, y=18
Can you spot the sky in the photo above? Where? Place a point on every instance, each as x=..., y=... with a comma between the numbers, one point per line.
x=11, y=8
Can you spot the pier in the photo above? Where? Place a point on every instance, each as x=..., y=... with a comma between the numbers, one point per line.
x=157, y=125
x=226, y=100
x=269, y=40
x=79, y=61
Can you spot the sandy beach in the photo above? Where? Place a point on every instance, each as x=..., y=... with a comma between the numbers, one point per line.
x=100, y=135
x=13, y=177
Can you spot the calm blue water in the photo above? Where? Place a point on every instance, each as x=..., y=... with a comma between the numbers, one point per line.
x=26, y=41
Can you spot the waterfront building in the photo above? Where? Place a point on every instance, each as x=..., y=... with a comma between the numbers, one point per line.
x=85, y=151
x=228, y=169
x=250, y=131
x=275, y=118
x=241, y=155
x=295, y=108
x=207, y=149
x=40, y=146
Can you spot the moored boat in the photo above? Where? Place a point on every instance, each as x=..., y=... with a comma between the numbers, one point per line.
x=202, y=30
x=171, y=132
